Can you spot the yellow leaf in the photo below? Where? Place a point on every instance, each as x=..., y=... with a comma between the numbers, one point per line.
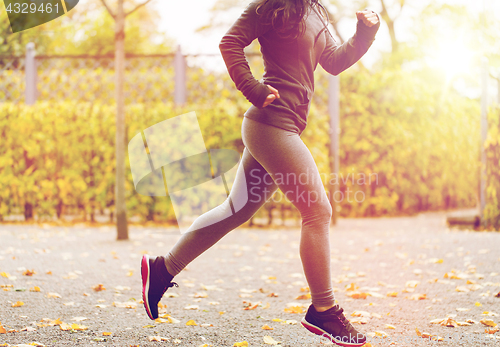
x=18, y=304
x=4, y=274
x=478, y=304
x=2, y=329
x=303, y=297
x=35, y=289
x=294, y=309
x=107, y=333
x=191, y=322
x=388, y=326
x=392, y=294
x=358, y=295
x=488, y=322
x=241, y=344
x=267, y=327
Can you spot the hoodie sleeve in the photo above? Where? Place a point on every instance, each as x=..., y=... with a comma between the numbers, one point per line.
x=247, y=28
x=337, y=58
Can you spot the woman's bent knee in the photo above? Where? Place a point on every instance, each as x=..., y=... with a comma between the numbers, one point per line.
x=317, y=213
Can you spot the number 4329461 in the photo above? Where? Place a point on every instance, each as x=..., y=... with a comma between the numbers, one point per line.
x=32, y=8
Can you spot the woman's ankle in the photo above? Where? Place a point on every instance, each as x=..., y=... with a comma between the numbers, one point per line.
x=323, y=308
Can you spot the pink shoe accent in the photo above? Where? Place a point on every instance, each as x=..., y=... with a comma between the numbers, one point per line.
x=145, y=272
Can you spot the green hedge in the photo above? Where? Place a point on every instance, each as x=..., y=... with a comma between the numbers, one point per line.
x=60, y=156
x=492, y=145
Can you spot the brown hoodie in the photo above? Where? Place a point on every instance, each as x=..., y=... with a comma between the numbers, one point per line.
x=289, y=64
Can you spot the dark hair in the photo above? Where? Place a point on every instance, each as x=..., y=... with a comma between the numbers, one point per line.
x=287, y=15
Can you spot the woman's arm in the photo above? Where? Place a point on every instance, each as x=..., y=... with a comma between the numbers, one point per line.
x=247, y=28
x=337, y=58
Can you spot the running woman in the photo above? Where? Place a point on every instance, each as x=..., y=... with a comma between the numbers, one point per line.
x=294, y=38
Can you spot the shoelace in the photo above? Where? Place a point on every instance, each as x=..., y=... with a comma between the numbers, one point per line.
x=171, y=284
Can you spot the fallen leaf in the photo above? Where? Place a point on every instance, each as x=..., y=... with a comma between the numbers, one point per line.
x=127, y=304
x=206, y=325
x=303, y=297
x=359, y=320
x=361, y=314
x=412, y=284
x=351, y=287
x=18, y=304
x=241, y=344
x=491, y=331
x=358, y=295
x=2, y=329
x=478, y=304
x=449, y=322
x=388, y=326
x=74, y=326
x=29, y=272
x=35, y=289
x=294, y=309
x=107, y=333
x=418, y=296
x=98, y=288
x=270, y=341
x=488, y=322
x=79, y=319
x=392, y=294
x=191, y=307
x=267, y=327
x=191, y=322
x=272, y=295
x=157, y=338
x=28, y=329
x=53, y=295
x=173, y=320
x=462, y=289
x=200, y=295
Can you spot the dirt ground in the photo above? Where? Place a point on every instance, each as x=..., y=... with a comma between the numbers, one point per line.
x=77, y=286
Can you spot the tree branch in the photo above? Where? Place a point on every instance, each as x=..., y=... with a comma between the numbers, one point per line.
x=108, y=9
x=138, y=6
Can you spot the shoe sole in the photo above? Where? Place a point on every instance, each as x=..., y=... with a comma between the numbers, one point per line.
x=318, y=331
x=145, y=272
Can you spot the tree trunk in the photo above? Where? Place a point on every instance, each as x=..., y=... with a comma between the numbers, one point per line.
x=390, y=25
x=120, y=208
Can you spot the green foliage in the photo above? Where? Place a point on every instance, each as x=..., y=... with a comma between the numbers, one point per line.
x=492, y=146
x=400, y=153
x=65, y=156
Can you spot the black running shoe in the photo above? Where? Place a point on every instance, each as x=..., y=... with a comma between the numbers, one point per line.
x=333, y=325
x=155, y=282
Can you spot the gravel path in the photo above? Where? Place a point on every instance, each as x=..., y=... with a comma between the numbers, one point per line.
x=451, y=274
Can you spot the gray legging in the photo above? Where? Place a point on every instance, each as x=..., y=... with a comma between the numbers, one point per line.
x=283, y=155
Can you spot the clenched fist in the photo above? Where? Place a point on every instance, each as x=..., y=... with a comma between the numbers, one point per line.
x=369, y=18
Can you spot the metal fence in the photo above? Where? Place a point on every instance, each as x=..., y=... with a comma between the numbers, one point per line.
x=148, y=78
